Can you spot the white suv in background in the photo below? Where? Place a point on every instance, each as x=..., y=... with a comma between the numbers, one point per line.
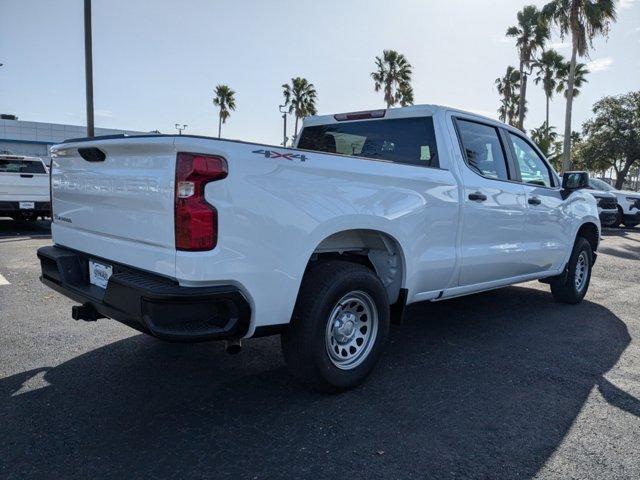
x=628, y=202
x=24, y=188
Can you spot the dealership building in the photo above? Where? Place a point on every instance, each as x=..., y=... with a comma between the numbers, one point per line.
x=34, y=139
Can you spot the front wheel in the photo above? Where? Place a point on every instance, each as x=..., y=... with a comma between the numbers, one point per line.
x=339, y=326
x=571, y=287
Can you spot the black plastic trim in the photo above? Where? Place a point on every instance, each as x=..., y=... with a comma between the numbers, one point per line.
x=148, y=302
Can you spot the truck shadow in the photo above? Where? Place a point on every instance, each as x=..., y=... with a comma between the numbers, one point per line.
x=481, y=387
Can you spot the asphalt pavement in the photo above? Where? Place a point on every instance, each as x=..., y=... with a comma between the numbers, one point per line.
x=506, y=384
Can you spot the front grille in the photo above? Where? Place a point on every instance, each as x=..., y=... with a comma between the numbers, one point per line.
x=608, y=204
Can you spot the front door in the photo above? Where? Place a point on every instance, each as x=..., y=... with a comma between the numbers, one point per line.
x=547, y=229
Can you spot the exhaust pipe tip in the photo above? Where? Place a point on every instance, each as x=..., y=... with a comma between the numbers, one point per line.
x=233, y=347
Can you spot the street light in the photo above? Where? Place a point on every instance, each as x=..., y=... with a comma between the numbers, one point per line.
x=88, y=66
x=284, y=118
x=180, y=127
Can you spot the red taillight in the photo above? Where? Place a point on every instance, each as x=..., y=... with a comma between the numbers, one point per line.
x=196, y=221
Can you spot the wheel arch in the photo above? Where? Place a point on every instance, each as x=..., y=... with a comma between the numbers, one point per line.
x=377, y=249
x=591, y=233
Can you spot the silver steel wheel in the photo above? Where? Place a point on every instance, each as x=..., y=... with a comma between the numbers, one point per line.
x=582, y=271
x=351, y=330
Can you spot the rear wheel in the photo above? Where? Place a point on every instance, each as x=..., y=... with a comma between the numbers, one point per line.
x=572, y=286
x=339, y=326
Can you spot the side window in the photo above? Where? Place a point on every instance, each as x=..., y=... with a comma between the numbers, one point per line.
x=483, y=150
x=532, y=168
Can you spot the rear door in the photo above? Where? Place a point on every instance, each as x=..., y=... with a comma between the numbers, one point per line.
x=23, y=180
x=494, y=208
x=548, y=230
x=117, y=201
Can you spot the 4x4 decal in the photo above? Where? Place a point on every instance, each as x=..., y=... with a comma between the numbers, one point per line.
x=287, y=156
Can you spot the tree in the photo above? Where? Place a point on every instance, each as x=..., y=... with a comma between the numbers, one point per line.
x=393, y=75
x=546, y=138
x=583, y=20
x=531, y=33
x=225, y=100
x=580, y=78
x=548, y=68
x=612, y=136
x=507, y=88
x=301, y=98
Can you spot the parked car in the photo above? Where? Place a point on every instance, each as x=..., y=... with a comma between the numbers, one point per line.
x=192, y=238
x=628, y=203
x=24, y=188
x=607, y=206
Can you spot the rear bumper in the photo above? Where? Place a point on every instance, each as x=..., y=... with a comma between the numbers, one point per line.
x=147, y=302
x=13, y=208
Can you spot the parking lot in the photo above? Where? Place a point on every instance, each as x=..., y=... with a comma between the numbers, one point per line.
x=506, y=384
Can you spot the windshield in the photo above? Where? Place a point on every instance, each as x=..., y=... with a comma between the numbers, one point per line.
x=401, y=140
x=600, y=185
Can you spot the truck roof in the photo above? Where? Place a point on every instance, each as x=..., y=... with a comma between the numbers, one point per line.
x=400, y=112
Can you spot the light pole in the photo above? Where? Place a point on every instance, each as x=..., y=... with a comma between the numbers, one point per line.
x=180, y=127
x=88, y=66
x=284, y=119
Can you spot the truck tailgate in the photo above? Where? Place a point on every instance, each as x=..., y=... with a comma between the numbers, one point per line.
x=120, y=208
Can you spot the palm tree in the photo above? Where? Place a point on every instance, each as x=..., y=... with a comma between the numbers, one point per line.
x=583, y=20
x=301, y=98
x=546, y=138
x=507, y=88
x=548, y=71
x=393, y=75
x=531, y=34
x=579, y=79
x=225, y=100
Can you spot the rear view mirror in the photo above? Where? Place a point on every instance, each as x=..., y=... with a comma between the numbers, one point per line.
x=575, y=180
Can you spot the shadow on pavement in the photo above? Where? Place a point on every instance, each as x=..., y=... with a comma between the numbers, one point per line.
x=481, y=387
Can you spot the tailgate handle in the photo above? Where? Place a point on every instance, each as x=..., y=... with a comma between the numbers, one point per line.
x=26, y=175
x=92, y=154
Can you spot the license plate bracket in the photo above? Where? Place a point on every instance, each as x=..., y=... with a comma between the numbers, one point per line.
x=99, y=273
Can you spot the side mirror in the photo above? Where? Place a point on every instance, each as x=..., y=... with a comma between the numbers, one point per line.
x=572, y=181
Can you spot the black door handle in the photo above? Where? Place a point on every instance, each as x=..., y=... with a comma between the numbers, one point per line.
x=534, y=201
x=477, y=196
x=26, y=175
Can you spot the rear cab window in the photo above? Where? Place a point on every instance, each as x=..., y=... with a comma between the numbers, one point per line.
x=483, y=151
x=410, y=141
x=19, y=165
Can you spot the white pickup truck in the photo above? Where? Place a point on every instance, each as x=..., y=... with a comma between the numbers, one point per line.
x=192, y=238
x=24, y=188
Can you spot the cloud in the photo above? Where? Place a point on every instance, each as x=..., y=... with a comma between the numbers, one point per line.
x=626, y=3
x=600, y=64
x=104, y=113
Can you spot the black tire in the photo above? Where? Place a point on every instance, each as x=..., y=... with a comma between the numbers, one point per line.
x=306, y=343
x=619, y=217
x=565, y=288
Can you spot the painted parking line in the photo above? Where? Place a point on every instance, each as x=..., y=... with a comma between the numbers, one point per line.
x=3, y=281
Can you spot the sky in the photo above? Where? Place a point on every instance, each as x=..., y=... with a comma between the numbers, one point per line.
x=157, y=62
